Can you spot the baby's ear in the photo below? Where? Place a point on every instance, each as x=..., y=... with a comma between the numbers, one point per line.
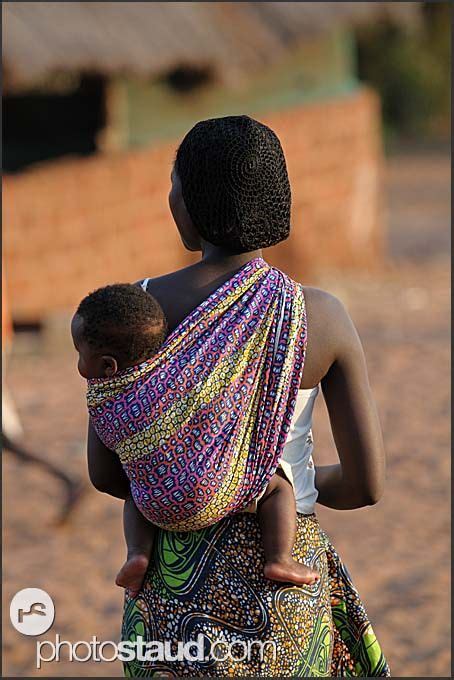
x=110, y=366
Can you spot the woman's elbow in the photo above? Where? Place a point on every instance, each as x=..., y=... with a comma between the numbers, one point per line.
x=363, y=499
x=373, y=486
x=373, y=497
x=100, y=485
x=107, y=486
x=373, y=493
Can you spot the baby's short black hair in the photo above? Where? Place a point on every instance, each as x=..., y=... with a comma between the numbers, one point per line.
x=123, y=320
x=235, y=183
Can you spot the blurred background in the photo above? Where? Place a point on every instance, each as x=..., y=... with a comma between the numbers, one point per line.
x=96, y=98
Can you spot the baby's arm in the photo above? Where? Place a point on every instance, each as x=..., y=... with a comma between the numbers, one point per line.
x=139, y=536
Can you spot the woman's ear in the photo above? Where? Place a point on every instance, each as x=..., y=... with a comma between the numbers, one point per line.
x=110, y=366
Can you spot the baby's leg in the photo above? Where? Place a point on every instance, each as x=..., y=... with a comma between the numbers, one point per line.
x=276, y=513
x=139, y=535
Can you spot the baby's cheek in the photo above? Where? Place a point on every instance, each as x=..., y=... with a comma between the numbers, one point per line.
x=82, y=368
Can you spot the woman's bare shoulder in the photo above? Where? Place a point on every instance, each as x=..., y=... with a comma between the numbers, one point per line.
x=324, y=310
x=330, y=332
x=323, y=299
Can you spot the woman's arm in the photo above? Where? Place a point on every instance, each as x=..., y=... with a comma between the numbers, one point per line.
x=104, y=467
x=359, y=478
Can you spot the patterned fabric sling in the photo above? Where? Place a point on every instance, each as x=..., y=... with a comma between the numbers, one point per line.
x=200, y=427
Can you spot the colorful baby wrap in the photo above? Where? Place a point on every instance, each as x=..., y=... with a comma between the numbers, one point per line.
x=200, y=426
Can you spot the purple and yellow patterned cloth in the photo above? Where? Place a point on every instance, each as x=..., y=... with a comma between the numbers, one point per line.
x=200, y=427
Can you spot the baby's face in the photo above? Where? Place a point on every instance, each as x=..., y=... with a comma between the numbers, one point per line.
x=92, y=363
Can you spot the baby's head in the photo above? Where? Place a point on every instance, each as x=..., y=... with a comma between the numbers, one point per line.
x=116, y=327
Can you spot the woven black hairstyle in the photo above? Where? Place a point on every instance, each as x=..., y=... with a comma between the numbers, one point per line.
x=235, y=184
x=123, y=320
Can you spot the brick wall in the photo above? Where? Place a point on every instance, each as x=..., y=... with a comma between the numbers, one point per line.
x=70, y=226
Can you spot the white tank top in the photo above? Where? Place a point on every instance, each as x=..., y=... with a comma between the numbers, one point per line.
x=297, y=454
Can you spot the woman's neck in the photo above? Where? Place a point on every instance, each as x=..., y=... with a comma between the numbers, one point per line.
x=220, y=257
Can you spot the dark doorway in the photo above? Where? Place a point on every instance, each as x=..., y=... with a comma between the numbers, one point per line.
x=39, y=126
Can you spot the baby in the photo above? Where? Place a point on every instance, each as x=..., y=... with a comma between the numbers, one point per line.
x=120, y=326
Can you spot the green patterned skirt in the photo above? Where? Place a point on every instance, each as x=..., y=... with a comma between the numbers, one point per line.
x=207, y=586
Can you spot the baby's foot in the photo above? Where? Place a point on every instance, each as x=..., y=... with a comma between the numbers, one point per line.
x=291, y=571
x=132, y=573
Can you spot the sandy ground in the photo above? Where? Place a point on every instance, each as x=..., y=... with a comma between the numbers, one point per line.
x=398, y=551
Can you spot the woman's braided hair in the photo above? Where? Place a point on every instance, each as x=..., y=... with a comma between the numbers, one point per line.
x=235, y=184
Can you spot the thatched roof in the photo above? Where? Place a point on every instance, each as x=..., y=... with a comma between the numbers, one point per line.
x=151, y=37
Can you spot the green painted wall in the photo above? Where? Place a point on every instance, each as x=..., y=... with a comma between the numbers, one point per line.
x=323, y=67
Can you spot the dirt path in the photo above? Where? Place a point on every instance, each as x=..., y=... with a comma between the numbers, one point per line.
x=397, y=551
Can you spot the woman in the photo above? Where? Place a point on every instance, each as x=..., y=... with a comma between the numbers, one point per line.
x=230, y=198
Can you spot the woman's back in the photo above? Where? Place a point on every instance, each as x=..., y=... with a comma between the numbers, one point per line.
x=334, y=359
x=181, y=291
x=296, y=457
